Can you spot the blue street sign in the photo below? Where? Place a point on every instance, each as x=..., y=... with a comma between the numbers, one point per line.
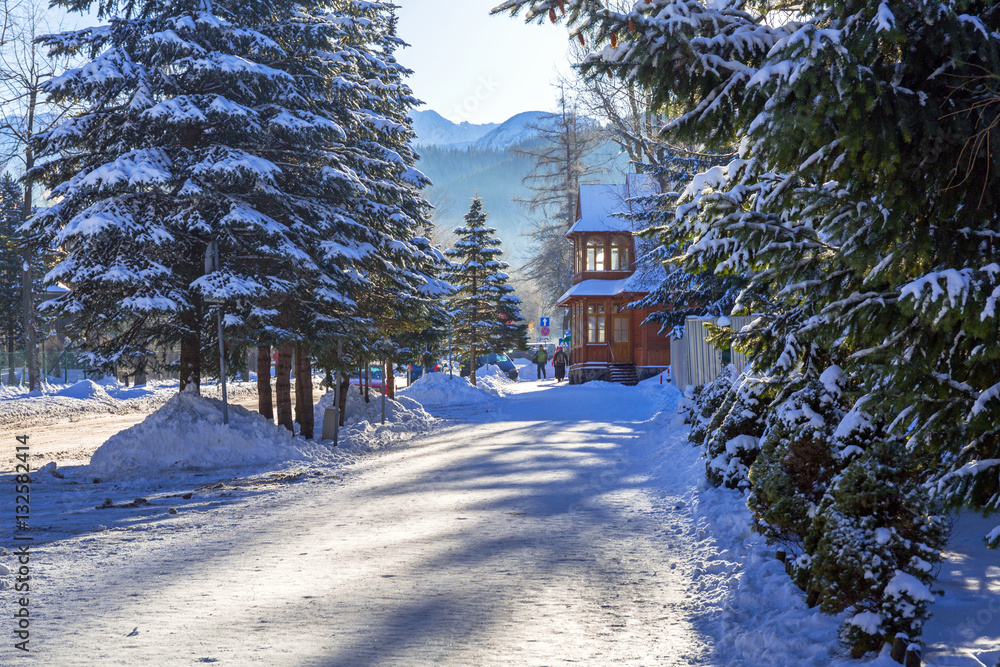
x=543, y=321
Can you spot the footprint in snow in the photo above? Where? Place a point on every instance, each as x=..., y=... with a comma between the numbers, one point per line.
x=135, y=631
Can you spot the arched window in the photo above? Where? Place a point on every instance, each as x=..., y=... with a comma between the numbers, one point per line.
x=595, y=254
x=619, y=254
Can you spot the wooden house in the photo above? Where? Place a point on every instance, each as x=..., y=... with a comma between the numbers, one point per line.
x=608, y=340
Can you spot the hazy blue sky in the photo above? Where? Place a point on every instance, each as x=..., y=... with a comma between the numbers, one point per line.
x=471, y=66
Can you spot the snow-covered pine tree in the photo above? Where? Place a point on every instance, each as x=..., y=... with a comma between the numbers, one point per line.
x=875, y=540
x=708, y=403
x=733, y=437
x=513, y=332
x=12, y=245
x=798, y=459
x=485, y=313
x=403, y=294
x=226, y=121
x=11, y=320
x=685, y=291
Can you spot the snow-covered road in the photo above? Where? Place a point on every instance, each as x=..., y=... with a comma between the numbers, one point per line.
x=530, y=534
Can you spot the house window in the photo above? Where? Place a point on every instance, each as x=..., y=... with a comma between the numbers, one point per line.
x=621, y=330
x=595, y=323
x=619, y=254
x=595, y=254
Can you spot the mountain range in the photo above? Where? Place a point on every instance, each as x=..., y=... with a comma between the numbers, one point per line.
x=433, y=129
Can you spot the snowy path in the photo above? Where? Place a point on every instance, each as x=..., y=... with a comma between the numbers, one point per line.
x=531, y=535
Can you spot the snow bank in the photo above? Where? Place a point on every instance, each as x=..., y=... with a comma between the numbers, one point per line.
x=396, y=411
x=21, y=408
x=440, y=389
x=85, y=390
x=493, y=381
x=187, y=432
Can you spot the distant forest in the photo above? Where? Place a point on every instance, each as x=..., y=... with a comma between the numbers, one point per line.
x=458, y=174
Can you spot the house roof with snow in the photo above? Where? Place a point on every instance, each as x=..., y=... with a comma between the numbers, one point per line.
x=603, y=205
x=643, y=281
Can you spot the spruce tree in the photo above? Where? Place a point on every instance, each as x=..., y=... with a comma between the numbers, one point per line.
x=11, y=320
x=485, y=313
x=277, y=129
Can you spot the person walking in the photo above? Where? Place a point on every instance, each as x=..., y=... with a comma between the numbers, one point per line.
x=559, y=362
x=541, y=356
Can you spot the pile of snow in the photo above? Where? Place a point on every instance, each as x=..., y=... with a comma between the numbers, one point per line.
x=526, y=371
x=363, y=428
x=397, y=410
x=442, y=389
x=85, y=390
x=187, y=432
x=493, y=380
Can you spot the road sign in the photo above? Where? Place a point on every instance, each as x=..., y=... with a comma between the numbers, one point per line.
x=544, y=322
x=544, y=331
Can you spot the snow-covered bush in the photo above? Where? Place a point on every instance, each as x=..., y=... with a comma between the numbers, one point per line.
x=797, y=460
x=731, y=444
x=874, y=542
x=707, y=404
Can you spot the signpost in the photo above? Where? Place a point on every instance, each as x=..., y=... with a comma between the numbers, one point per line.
x=211, y=266
x=544, y=330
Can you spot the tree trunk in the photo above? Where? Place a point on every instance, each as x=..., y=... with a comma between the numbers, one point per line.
x=472, y=365
x=368, y=380
x=190, y=360
x=297, y=372
x=303, y=392
x=345, y=384
x=390, y=381
x=27, y=300
x=10, y=356
x=283, y=387
x=265, y=405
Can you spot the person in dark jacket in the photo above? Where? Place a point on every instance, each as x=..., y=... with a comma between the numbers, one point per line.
x=559, y=362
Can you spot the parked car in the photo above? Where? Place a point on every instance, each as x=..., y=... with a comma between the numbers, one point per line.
x=376, y=375
x=499, y=359
x=414, y=372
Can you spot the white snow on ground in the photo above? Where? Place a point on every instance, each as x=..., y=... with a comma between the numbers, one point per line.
x=550, y=524
x=19, y=408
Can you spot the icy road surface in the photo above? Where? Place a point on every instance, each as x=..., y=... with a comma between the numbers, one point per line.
x=532, y=533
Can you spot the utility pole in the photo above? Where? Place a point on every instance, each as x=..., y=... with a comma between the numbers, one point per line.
x=211, y=266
